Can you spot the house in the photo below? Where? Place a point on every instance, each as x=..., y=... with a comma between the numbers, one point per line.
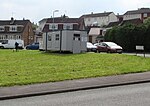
x=42, y=24
x=17, y=30
x=38, y=32
x=96, y=34
x=99, y=19
x=64, y=34
x=141, y=13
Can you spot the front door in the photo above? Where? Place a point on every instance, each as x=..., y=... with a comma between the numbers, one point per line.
x=76, y=43
x=90, y=39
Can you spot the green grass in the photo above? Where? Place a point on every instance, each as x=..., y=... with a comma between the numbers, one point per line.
x=28, y=67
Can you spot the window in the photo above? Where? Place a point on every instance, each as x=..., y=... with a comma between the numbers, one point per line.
x=75, y=26
x=68, y=26
x=57, y=37
x=4, y=41
x=14, y=37
x=145, y=15
x=53, y=27
x=18, y=37
x=76, y=37
x=49, y=38
x=13, y=28
x=2, y=28
x=11, y=37
x=6, y=36
x=101, y=32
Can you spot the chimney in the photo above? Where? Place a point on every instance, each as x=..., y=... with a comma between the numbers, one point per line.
x=12, y=20
x=64, y=16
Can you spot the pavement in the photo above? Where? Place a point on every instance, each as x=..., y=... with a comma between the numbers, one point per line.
x=72, y=85
x=147, y=55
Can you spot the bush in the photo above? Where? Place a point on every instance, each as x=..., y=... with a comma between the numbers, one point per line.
x=129, y=35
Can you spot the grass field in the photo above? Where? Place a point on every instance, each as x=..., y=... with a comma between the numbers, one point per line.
x=28, y=67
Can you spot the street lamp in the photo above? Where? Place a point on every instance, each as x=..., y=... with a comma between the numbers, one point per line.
x=53, y=17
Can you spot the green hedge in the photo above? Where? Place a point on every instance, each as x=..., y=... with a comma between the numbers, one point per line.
x=129, y=35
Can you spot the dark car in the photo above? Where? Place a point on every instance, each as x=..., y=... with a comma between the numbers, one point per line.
x=109, y=47
x=91, y=47
x=33, y=46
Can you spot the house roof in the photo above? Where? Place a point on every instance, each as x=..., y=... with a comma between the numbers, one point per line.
x=112, y=24
x=137, y=21
x=44, y=19
x=63, y=20
x=14, y=22
x=96, y=15
x=95, y=31
x=139, y=11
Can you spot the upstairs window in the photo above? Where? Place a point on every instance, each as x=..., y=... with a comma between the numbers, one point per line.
x=75, y=26
x=2, y=28
x=145, y=15
x=53, y=27
x=13, y=28
x=68, y=26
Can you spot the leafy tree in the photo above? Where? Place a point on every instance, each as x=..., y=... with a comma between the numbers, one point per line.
x=34, y=26
x=147, y=22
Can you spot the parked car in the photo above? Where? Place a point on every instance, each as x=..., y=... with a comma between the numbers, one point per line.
x=33, y=46
x=109, y=47
x=91, y=47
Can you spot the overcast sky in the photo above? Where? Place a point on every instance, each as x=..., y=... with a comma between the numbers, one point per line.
x=36, y=10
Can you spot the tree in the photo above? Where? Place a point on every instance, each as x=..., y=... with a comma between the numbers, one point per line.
x=146, y=24
x=34, y=26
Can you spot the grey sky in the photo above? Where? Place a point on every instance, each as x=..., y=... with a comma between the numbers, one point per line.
x=35, y=10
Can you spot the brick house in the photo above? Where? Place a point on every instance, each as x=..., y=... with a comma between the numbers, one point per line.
x=17, y=29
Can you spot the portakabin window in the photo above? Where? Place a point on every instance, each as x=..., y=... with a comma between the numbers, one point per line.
x=57, y=37
x=49, y=38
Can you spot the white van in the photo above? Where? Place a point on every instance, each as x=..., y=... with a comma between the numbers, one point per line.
x=11, y=44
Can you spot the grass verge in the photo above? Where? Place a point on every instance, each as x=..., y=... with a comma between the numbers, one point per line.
x=29, y=67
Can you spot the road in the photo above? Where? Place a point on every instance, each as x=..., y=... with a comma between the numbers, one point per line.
x=130, y=95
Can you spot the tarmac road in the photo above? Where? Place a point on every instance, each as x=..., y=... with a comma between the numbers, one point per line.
x=72, y=85
x=128, y=95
